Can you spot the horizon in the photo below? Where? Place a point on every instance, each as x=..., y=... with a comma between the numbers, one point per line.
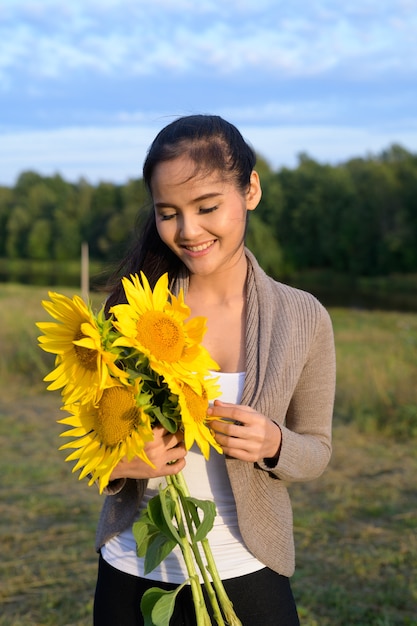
x=85, y=87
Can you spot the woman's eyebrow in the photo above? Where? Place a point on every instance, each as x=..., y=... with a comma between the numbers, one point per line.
x=205, y=196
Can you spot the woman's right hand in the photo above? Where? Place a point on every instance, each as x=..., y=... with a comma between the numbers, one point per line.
x=162, y=452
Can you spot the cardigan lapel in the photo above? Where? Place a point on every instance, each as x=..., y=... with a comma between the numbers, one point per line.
x=258, y=330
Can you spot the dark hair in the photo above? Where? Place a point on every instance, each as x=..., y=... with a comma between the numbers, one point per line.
x=210, y=142
x=213, y=145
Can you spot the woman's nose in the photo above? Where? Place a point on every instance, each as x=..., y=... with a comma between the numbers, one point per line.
x=188, y=226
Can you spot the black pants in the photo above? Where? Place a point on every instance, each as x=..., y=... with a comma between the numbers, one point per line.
x=263, y=598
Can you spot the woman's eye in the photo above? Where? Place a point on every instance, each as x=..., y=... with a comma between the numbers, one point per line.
x=208, y=209
x=165, y=218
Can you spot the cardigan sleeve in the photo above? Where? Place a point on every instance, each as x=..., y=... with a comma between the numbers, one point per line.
x=114, y=487
x=306, y=432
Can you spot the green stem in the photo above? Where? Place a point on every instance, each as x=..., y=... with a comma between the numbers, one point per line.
x=202, y=616
x=227, y=606
x=183, y=492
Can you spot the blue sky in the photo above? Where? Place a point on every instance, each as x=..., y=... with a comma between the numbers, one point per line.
x=85, y=85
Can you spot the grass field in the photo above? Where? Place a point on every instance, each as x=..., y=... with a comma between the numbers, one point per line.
x=355, y=528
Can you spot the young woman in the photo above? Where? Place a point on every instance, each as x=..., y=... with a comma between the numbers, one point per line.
x=274, y=345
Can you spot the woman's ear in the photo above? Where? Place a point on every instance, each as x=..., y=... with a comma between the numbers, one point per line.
x=254, y=192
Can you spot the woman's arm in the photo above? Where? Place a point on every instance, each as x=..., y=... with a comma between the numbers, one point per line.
x=298, y=449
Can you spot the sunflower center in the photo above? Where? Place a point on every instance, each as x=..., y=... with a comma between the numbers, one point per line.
x=117, y=416
x=86, y=357
x=161, y=335
x=196, y=404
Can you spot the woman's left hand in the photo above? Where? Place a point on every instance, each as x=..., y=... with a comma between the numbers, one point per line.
x=243, y=433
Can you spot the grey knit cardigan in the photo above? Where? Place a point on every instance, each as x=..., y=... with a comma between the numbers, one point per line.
x=290, y=378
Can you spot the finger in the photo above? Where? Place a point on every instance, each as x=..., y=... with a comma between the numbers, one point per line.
x=173, y=439
x=232, y=412
x=229, y=429
x=159, y=433
x=237, y=428
x=174, y=467
x=175, y=454
x=237, y=448
x=218, y=404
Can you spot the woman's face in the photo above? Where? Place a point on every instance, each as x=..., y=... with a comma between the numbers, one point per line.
x=201, y=218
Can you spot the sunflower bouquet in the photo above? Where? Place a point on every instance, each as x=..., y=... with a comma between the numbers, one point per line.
x=120, y=375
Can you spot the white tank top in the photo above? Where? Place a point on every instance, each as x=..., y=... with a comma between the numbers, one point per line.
x=206, y=480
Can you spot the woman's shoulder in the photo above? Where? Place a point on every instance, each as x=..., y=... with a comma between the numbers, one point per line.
x=282, y=293
x=301, y=308
x=294, y=294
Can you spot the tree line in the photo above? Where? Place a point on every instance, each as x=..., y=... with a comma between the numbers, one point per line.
x=358, y=217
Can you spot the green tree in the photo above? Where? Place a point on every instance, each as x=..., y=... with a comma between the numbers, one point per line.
x=39, y=240
x=378, y=217
x=359, y=217
x=261, y=241
x=106, y=201
x=404, y=165
x=309, y=222
x=17, y=228
x=6, y=203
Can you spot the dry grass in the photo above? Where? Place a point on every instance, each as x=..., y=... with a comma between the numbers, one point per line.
x=47, y=522
x=377, y=370
x=355, y=527
x=356, y=535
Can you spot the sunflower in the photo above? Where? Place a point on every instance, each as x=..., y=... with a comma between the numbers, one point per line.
x=116, y=426
x=155, y=324
x=83, y=364
x=193, y=407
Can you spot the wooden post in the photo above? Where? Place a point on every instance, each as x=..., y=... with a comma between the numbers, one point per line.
x=85, y=280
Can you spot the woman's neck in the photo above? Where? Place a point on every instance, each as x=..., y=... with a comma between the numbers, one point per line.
x=222, y=288
x=222, y=301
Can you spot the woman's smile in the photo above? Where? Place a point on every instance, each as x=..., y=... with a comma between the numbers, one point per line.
x=202, y=219
x=200, y=248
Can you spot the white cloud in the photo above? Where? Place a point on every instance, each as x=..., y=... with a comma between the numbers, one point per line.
x=113, y=154
x=334, y=59
x=116, y=154
x=49, y=38
x=326, y=144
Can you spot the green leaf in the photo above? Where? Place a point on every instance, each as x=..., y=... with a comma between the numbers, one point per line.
x=153, y=543
x=168, y=511
x=143, y=527
x=161, y=509
x=144, y=535
x=157, y=605
x=154, y=532
x=141, y=532
x=158, y=548
x=205, y=525
x=170, y=424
